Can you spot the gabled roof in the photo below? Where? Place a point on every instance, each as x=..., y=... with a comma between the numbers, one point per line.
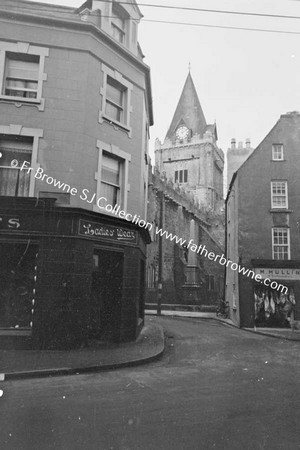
x=135, y=5
x=188, y=111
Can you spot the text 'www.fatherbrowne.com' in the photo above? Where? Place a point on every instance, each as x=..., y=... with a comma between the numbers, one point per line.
x=103, y=205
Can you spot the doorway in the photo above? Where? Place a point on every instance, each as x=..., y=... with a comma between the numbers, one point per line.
x=106, y=295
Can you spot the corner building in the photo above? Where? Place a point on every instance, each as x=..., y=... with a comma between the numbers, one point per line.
x=75, y=107
x=263, y=230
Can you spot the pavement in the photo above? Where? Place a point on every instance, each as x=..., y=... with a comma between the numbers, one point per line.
x=18, y=364
x=281, y=333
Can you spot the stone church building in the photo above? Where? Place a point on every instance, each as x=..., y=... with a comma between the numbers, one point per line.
x=189, y=155
x=185, y=196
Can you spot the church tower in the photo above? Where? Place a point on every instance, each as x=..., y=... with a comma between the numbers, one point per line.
x=189, y=155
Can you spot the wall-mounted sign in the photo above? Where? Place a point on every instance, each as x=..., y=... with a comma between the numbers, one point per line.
x=9, y=222
x=97, y=230
x=278, y=274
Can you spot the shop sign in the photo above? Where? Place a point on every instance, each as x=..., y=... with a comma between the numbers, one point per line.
x=96, y=230
x=9, y=223
x=281, y=274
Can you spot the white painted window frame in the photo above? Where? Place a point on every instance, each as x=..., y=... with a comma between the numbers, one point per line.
x=35, y=133
x=26, y=49
x=128, y=87
x=125, y=159
x=286, y=195
x=274, y=152
x=278, y=245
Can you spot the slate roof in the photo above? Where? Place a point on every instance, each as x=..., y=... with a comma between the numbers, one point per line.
x=188, y=111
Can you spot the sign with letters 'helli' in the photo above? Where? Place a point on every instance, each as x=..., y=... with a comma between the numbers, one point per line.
x=278, y=274
x=96, y=230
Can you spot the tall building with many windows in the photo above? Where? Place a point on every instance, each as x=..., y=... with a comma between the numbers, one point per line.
x=189, y=155
x=75, y=112
x=263, y=233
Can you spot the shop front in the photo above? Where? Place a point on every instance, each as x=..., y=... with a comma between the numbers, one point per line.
x=276, y=302
x=68, y=276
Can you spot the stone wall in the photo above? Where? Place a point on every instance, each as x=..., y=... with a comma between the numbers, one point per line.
x=187, y=277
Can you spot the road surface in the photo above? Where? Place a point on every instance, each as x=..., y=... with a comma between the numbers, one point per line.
x=216, y=387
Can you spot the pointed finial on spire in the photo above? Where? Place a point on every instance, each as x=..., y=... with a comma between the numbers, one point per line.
x=190, y=65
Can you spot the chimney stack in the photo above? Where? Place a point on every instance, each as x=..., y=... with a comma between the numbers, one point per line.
x=240, y=145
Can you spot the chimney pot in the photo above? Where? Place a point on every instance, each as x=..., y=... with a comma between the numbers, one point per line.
x=248, y=143
x=240, y=145
x=233, y=143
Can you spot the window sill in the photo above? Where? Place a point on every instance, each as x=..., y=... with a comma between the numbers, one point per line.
x=20, y=101
x=117, y=125
x=281, y=210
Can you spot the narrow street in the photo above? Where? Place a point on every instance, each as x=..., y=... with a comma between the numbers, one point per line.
x=216, y=387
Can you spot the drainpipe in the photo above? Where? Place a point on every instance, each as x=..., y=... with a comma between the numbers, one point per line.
x=160, y=255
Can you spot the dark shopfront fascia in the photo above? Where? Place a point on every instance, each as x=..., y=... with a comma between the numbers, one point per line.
x=269, y=307
x=68, y=275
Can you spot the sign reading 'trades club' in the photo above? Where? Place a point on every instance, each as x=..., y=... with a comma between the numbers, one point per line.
x=107, y=232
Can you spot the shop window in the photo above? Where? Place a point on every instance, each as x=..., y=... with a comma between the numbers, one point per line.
x=277, y=152
x=116, y=99
x=281, y=243
x=18, y=276
x=22, y=73
x=14, y=150
x=273, y=308
x=112, y=176
x=279, y=194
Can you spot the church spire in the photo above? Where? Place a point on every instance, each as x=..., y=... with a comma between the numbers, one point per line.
x=188, y=111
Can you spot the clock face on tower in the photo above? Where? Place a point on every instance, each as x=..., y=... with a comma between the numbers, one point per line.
x=182, y=132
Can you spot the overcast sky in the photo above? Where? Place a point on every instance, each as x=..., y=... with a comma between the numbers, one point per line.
x=244, y=79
